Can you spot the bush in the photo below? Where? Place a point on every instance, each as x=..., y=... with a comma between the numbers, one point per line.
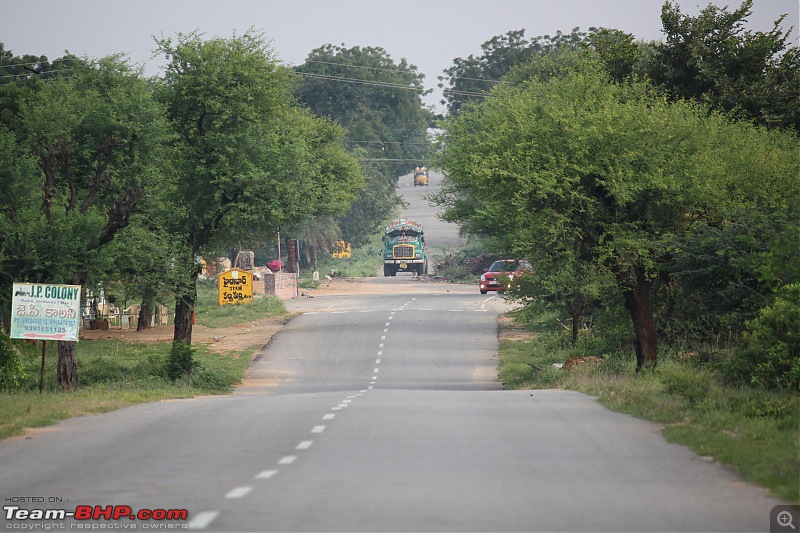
x=769, y=355
x=180, y=361
x=12, y=369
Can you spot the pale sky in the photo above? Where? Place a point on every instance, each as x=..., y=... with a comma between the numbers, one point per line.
x=427, y=33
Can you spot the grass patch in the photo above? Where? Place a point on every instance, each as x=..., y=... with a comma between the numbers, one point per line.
x=755, y=431
x=114, y=373
x=210, y=314
x=366, y=262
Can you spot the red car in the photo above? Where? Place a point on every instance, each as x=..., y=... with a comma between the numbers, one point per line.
x=498, y=276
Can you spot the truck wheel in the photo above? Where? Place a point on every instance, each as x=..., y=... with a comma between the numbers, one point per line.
x=387, y=270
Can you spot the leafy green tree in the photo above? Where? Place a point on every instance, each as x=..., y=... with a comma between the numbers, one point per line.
x=713, y=59
x=610, y=176
x=248, y=158
x=317, y=236
x=379, y=103
x=471, y=79
x=88, y=148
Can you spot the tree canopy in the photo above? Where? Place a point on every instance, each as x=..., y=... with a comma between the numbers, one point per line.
x=246, y=155
x=378, y=102
x=713, y=59
x=614, y=177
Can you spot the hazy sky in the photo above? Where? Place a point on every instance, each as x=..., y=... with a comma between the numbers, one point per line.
x=428, y=33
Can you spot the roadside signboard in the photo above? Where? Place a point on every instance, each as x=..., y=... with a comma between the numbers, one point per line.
x=45, y=311
x=235, y=286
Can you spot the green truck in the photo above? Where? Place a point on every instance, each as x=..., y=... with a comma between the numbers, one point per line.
x=404, y=248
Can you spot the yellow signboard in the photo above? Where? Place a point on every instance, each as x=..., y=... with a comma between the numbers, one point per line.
x=235, y=286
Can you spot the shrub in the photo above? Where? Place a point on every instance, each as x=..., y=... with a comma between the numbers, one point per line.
x=12, y=370
x=180, y=361
x=769, y=355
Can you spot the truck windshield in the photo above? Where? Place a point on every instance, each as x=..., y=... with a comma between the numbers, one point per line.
x=394, y=239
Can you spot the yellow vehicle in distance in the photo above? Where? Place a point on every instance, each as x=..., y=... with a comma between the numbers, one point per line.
x=420, y=176
x=341, y=250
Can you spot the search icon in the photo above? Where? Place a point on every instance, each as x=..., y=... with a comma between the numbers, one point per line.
x=785, y=519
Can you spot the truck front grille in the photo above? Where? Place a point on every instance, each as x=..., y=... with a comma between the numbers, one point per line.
x=403, y=251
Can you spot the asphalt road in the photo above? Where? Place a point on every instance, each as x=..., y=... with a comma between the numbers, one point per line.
x=378, y=413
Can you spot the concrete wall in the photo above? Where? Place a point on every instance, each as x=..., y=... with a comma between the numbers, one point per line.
x=281, y=284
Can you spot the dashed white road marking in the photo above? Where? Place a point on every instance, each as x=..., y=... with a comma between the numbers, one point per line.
x=304, y=445
x=383, y=337
x=377, y=361
x=266, y=474
x=380, y=353
x=377, y=370
x=317, y=429
x=202, y=520
x=289, y=459
x=328, y=416
x=481, y=310
x=238, y=492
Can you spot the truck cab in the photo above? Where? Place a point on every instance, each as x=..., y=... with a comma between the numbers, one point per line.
x=404, y=248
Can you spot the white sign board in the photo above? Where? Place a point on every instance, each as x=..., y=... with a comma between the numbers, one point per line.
x=44, y=311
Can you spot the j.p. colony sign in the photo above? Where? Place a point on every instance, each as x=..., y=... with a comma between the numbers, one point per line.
x=44, y=311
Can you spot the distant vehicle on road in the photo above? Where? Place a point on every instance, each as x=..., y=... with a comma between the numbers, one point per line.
x=404, y=248
x=499, y=276
x=420, y=176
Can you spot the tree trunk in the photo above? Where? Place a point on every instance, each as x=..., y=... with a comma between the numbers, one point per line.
x=184, y=309
x=576, y=308
x=67, y=366
x=636, y=291
x=576, y=323
x=145, y=316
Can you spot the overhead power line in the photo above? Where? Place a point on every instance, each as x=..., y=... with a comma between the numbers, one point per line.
x=361, y=82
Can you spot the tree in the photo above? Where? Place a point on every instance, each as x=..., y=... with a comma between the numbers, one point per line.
x=611, y=176
x=88, y=150
x=379, y=103
x=248, y=158
x=711, y=58
x=471, y=79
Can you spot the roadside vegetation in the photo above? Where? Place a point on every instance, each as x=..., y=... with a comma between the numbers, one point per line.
x=655, y=187
x=694, y=393
x=117, y=373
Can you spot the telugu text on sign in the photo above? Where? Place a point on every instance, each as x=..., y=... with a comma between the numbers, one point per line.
x=235, y=286
x=45, y=311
